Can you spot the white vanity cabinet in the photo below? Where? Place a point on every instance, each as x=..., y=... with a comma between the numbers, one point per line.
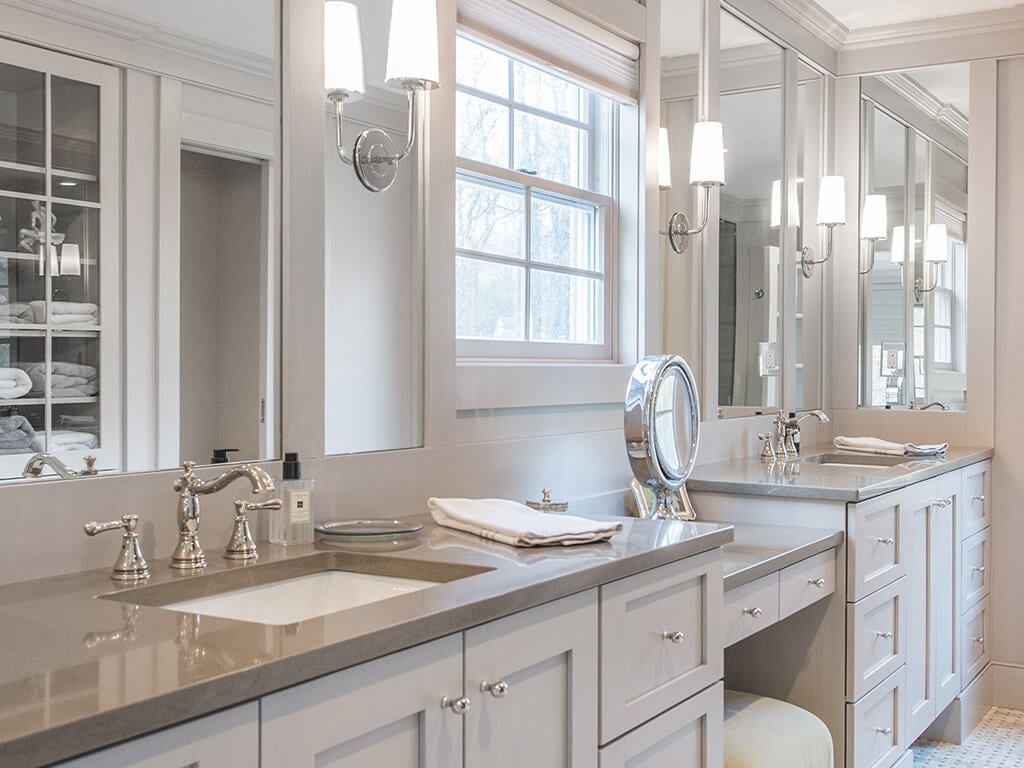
x=230, y=737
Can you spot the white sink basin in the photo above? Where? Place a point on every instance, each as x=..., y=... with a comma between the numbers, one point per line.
x=302, y=598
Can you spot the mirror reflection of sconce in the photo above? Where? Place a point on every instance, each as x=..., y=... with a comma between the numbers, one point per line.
x=874, y=225
x=899, y=247
x=935, y=252
x=707, y=170
x=776, y=206
x=412, y=65
x=831, y=214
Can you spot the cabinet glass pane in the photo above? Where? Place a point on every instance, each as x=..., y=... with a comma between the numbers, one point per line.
x=22, y=280
x=22, y=117
x=75, y=150
x=74, y=301
x=76, y=427
x=22, y=417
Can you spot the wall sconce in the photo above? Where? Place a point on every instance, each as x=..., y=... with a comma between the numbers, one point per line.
x=70, y=259
x=776, y=206
x=707, y=170
x=874, y=225
x=935, y=252
x=831, y=214
x=664, y=161
x=412, y=65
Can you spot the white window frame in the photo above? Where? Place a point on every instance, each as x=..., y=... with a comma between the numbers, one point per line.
x=472, y=350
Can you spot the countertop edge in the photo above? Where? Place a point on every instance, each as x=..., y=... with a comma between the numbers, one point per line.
x=114, y=726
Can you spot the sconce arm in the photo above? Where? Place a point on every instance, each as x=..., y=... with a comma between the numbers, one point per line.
x=807, y=260
x=920, y=290
x=339, y=108
x=871, y=262
x=679, y=226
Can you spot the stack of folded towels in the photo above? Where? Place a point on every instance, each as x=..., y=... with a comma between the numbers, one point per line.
x=16, y=435
x=886, y=448
x=16, y=313
x=66, y=312
x=512, y=523
x=14, y=383
x=65, y=440
x=66, y=379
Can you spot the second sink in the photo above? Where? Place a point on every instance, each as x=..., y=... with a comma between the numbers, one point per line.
x=857, y=460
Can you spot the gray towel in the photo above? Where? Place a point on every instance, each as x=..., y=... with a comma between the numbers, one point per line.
x=16, y=435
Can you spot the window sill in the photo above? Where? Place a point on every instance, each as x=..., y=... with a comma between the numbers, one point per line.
x=490, y=385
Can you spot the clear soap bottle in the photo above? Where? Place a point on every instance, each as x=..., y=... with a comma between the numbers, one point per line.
x=293, y=523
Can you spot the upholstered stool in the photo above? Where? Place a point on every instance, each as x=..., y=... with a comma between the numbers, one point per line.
x=768, y=733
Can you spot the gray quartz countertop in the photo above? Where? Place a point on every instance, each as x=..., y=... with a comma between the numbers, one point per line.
x=79, y=672
x=803, y=479
x=758, y=550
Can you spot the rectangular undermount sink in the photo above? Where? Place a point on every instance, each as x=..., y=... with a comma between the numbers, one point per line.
x=857, y=460
x=299, y=589
x=302, y=598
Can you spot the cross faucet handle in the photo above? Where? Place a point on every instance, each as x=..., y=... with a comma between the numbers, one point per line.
x=242, y=546
x=130, y=564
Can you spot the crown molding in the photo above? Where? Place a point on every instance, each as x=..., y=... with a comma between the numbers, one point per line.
x=1001, y=20
x=815, y=20
x=138, y=30
x=924, y=100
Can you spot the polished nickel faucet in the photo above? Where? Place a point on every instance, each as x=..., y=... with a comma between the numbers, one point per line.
x=188, y=555
x=937, y=404
x=34, y=467
x=785, y=444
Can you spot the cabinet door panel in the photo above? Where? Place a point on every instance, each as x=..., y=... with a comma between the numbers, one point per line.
x=690, y=734
x=386, y=712
x=547, y=715
x=227, y=738
x=920, y=693
x=643, y=670
x=945, y=591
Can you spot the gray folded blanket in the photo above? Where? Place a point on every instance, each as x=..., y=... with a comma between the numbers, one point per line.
x=16, y=433
x=66, y=379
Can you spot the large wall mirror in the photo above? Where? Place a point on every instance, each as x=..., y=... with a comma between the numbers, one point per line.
x=138, y=235
x=374, y=265
x=914, y=234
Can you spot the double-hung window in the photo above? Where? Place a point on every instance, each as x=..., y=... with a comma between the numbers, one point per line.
x=536, y=219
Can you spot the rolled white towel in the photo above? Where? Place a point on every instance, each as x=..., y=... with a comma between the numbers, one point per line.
x=880, y=447
x=14, y=383
x=512, y=523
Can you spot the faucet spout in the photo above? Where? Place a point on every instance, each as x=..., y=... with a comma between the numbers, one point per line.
x=820, y=415
x=34, y=466
x=936, y=404
x=189, y=555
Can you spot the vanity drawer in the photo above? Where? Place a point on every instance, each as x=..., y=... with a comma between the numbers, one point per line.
x=876, y=544
x=689, y=734
x=976, y=504
x=646, y=667
x=876, y=725
x=977, y=627
x=876, y=642
x=976, y=565
x=807, y=582
x=751, y=608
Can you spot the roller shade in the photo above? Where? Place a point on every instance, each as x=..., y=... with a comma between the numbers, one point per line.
x=555, y=36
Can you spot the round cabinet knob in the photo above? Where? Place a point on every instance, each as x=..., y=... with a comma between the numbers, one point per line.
x=980, y=499
x=498, y=690
x=675, y=637
x=886, y=540
x=755, y=612
x=979, y=568
x=819, y=583
x=979, y=640
x=884, y=731
x=458, y=706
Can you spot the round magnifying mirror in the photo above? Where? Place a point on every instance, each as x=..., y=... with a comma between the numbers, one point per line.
x=662, y=426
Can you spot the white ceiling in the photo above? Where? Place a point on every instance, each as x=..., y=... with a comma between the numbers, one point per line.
x=859, y=14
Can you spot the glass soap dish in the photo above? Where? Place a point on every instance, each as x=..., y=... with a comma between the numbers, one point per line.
x=349, y=531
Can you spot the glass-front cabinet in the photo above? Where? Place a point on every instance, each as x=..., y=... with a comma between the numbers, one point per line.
x=59, y=260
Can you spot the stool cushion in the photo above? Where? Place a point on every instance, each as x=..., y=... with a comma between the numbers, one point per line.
x=768, y=733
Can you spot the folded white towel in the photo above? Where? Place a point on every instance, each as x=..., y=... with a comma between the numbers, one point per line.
x=65, y=440
x=512, y=523
x=65, y=312
x=16, y=313
x=14, y=382
x=885, y=448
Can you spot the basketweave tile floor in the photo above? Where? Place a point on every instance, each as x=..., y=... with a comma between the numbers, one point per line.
x=998, y=742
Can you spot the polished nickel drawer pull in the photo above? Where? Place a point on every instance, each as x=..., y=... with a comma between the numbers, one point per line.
x=980, y=499
x=979, y=568
x=458, y=706
x=498, y=690
x=819, y=583
x=884, y=635
x=884, y=731
x=979, y=640
x=755, y=612
x=886, y=540
x=675, y=637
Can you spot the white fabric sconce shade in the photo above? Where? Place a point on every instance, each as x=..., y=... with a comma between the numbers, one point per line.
x=343, y=49
x=935, y=249
x=874, y=222
x=70, y=259
x=832, y=201
x=707, y=156
x=899, y=245
x=53, y=260
x=664, y=160
x=412, y=44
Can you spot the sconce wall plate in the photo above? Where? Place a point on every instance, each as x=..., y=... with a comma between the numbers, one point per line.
x=374, y=160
